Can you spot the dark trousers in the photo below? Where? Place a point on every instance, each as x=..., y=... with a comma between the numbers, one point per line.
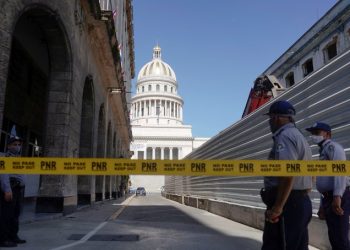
x=338, y=226
x=292, y=226
x=10, y=211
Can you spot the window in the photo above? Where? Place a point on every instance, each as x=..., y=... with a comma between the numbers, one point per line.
x=166, y=154
x=308, y=67
x=158, y=87
x=171, y=89
x=330, y=51
x=158, y=153
x=149, y=87
x=290, y=79
x=143, y=88
x=175, y=153
x=165, y=88
x=140, y=155
x=149, y=153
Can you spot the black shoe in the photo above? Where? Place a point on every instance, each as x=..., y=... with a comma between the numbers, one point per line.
x=8, y=244
x=19, y=241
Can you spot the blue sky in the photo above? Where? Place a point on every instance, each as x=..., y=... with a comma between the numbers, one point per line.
x=218, y=47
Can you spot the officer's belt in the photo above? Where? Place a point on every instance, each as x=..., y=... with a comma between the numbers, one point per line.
x=293, y=191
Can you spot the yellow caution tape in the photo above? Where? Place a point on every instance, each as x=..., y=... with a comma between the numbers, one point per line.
x=103, y=166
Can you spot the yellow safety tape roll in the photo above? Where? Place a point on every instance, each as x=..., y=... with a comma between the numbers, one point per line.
x=103, y=166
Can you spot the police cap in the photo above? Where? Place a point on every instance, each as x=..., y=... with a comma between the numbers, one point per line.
x=281, y=108
x=319, y=126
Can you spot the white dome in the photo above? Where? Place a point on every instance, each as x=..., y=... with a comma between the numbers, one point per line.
x=156, y=67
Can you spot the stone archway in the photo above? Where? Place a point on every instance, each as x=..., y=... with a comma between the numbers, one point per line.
x=86, y=185
x=38, y=84
x=100, y=153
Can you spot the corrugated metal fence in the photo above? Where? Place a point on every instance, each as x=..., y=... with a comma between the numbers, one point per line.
x=321, y=96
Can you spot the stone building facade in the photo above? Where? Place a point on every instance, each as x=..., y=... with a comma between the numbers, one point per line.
x=63, y=82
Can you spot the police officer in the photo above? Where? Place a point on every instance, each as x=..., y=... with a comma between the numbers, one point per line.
x=335, y=194
x=12, y=193
x=289, y=207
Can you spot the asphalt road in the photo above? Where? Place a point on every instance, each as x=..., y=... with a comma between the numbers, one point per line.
x=146, y=222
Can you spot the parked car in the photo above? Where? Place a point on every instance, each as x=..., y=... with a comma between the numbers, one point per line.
x=132, y=190
x=140, y=191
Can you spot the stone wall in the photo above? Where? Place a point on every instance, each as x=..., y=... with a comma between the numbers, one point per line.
x=72, y=38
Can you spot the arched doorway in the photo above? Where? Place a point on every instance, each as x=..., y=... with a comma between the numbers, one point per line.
x=39, y=76
x=86, y=141
x=100, y=152
x=87, y=120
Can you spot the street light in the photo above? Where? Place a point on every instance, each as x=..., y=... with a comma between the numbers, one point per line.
x=117, y=90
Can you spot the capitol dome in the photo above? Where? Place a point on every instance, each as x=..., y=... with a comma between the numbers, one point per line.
x=156, y=67
x=156, y=101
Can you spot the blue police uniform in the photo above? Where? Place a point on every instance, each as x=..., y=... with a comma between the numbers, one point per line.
x=10, y=210
x=329, y=186
x=289, y=144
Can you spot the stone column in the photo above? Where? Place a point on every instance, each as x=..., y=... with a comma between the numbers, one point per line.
x=114, y=186
x=162, y=153
x=86, y=189
x=153, y=153
x=170, y=153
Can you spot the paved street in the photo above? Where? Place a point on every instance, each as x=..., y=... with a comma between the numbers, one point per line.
x=150, y=222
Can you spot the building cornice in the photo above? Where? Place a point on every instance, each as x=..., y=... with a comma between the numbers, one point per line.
x=147, y=79
x=130, y=28
x=163, y=138
x=157, y=96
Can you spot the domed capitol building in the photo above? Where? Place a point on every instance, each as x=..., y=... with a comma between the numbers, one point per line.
x=157, y=119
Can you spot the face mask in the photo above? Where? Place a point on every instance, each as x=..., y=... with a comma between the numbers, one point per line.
x=16, y=150
x=272, y=125
x=317, y=138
